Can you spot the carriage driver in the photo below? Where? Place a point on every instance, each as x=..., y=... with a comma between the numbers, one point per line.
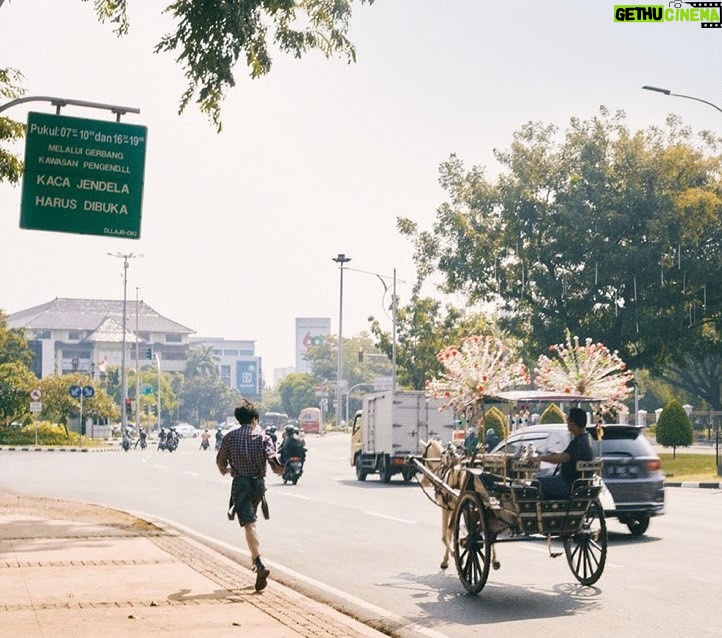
x=559, y=484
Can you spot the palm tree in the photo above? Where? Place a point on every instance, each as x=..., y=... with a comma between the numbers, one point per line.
x=202, y=362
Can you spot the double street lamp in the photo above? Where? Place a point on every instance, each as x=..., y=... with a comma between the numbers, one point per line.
x=124, y=413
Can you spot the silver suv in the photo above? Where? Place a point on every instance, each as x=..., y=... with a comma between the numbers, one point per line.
x=632, y=470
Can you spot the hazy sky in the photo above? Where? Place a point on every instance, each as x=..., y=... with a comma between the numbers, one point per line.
x=320, y=157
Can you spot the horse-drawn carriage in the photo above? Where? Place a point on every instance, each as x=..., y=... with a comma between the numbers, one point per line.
x=493, y=498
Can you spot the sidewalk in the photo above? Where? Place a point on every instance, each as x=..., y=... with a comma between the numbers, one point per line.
x=77, y=570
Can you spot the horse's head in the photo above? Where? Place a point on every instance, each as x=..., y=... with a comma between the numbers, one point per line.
x=432, y=455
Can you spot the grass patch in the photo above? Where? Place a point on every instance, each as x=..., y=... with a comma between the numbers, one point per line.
x=689, y=467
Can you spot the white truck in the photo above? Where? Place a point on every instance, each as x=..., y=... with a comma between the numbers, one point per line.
x=390, y=427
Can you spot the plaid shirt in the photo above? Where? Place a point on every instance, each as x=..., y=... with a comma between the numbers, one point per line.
x=245, y=450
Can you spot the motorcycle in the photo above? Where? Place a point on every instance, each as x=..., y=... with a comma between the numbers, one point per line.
x=126, y=443
x=143, y=444
x=205, y=445
x=171, y=441
x=292, y=470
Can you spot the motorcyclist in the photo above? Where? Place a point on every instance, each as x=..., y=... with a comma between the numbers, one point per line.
x=126, y=439
x=292, y=445
x=219, y=438
x=271, y=431
x=141, y=438
x=205, y=440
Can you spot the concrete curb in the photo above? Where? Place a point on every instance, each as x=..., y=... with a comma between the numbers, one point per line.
x=57, y=448
x=711, y=486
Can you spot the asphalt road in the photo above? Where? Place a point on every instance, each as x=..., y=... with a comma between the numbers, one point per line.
x=375, y=548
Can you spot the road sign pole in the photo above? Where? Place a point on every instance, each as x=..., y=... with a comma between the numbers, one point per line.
x=157, y=358
x=81, y=418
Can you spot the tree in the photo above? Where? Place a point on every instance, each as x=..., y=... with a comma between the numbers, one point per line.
x=11, y=166
x=606, y=233
x=423, y=329
x=59, y=406
x=168, y=397
x=211, y=37
x=13, y=344
x=297, y=391
x=205, y=398
x=201, y=361
x=16, y=383
x=699, y=376
x=674, y=427
x=358, y=368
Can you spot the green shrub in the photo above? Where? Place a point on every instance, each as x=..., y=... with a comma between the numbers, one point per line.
x=552, y=414
x=48, y=434
x=674, y=427
x=494, y=418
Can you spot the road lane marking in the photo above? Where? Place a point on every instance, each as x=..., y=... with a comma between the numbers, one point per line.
x=303, y=498
x=189, y=473
x=390, y=518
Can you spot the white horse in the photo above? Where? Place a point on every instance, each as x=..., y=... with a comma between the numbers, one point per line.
x=445, y=462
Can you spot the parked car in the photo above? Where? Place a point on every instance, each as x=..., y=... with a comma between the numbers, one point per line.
x=632, y=471
x=186, y=431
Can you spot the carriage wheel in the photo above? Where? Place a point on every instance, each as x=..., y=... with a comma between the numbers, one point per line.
x=586, y=550
x=472, y=549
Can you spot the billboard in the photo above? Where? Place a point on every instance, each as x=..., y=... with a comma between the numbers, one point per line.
x=308, y=332
x=247, y=378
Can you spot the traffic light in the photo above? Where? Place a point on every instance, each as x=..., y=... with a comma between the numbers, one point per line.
x=128, y=405
x=149, y=352
x=360, y=354
x=147, y=408
x=114, y=376
x=155, y=409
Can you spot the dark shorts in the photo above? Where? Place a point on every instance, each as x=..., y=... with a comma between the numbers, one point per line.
x=246, y=494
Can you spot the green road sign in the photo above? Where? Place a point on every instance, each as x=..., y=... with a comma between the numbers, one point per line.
x=83, y=176
x=148, y=389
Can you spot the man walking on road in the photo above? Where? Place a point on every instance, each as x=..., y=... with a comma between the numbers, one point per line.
x=244, y=453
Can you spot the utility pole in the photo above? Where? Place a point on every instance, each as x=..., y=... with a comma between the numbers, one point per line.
x=341, y=259
x=137, y=365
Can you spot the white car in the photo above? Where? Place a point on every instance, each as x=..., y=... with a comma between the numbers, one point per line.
x=186, y=431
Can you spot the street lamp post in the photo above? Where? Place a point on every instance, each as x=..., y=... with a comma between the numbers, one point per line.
x=340, y=259
x=125, y=257
x=688, y=97
x=714, y=106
